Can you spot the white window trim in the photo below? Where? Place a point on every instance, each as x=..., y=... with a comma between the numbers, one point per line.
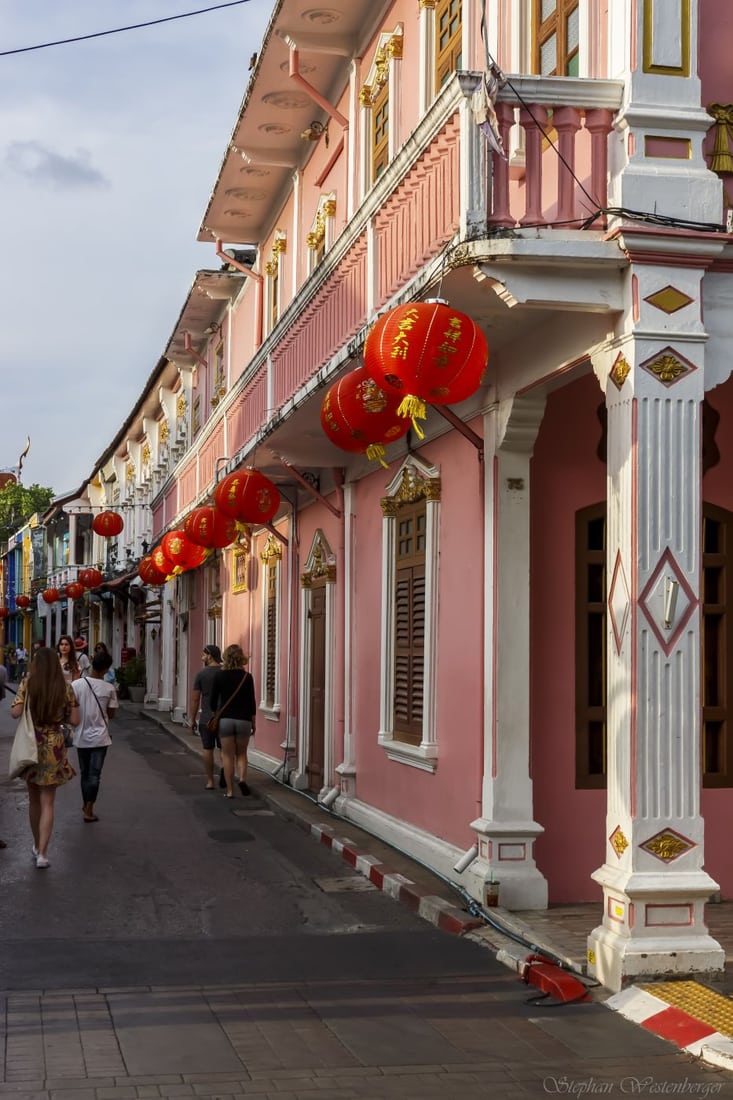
x=274, y=267
x=390, y=42
x=429, y=44
x=320, y=565
x=322, y=228
x=413, y=480
x=271, y=551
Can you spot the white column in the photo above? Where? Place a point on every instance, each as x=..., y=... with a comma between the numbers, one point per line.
x=506, y=829
x=168, y=645
x=653, y=878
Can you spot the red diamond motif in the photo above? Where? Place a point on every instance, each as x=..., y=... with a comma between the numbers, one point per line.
x=651, y=602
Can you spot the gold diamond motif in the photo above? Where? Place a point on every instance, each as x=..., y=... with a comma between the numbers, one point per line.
x=667, y=845
x=669, y=299
x=620, y=371
x=619, y=843
x=668, y=367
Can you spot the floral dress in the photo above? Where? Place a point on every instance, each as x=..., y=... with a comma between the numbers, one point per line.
x=53, y=767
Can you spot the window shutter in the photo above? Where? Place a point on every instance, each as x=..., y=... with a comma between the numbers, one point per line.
x=271, y=627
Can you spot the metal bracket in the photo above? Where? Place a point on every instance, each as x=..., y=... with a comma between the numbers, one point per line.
x=311, y=489
x=458, y=424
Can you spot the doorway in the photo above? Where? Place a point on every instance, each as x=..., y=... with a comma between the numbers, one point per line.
x=317, y=688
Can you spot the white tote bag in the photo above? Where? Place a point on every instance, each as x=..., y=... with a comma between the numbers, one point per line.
x=25, y=747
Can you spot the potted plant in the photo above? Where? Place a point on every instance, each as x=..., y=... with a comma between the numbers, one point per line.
x=133, y=677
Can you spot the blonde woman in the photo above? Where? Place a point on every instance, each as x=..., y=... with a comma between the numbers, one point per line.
x=233, y=690
x=51, y=702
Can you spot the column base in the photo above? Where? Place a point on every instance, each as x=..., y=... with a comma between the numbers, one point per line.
x=505, y=855
x=653, y=928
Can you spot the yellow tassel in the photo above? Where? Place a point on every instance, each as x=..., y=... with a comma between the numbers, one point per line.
x=413, y=407
x=377, y=452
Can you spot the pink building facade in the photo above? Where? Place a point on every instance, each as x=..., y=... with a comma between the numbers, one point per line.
x=507, y=651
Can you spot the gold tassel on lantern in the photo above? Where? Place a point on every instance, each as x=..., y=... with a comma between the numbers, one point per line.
x=411, y=408
x=376, y=452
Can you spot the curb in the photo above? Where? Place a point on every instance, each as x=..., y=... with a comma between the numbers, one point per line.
x=669, y=1022
x=430, y=907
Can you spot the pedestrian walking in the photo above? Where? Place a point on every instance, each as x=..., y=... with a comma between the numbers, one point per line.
x=3, y=680
x=21, y=661
x=200, y=709
x=233, y=699
x=97, y=700
x=67, y=658
x=82, y=658
x=109, y=675
x=51, y=703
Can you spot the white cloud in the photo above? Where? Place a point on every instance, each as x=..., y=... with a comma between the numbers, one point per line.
x=108, y=153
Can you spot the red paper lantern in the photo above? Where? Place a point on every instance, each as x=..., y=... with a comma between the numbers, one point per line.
x=162, y=562
x=23, y=602
x=210, y=528
x=51, y=595
x=426, y=352
x=90, y=578
x=359, y=417
x=108, y=524
x=148, y=572
x=184, y=554
x=4, y=612
x=74, y=591
x=247, y=496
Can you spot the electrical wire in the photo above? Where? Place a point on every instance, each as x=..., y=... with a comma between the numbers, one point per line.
x=597, y=210
x=472, y=906
x=120, y=30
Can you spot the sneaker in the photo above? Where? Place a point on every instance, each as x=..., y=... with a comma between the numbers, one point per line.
x=35, y=852
x=41, y=862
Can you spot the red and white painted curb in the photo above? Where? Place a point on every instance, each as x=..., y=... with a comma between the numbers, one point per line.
x=674, y=1024
x=429, y=906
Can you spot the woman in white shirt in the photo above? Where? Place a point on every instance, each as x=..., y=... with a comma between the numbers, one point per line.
x=97, y=701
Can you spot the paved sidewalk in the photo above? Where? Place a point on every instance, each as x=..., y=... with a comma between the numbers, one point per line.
x=696, y=1018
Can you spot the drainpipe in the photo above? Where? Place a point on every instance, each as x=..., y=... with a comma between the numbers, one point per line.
x=191, y=351
x=258, y=279
x=339, y=694
x=315, y=95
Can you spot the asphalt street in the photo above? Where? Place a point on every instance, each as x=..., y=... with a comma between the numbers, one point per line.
x=197, y=946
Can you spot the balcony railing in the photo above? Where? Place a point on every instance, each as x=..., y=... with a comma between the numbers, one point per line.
x=444, y=184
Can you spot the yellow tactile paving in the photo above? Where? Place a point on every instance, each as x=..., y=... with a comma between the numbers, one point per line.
x=702, y=1003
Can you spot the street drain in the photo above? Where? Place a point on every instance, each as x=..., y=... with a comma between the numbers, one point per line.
x=230, y=836
x=344, y=885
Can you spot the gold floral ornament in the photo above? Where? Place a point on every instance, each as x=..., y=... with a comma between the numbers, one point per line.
x=145, y=455
x=164, y=431
x=619, y=372
x=721, y=160
x=667, y=845
x=130, y=471
x=181, y=407
x=618, y=841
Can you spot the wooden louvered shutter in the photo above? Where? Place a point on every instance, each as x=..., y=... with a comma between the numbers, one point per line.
x=271, y=627
x=409, y=620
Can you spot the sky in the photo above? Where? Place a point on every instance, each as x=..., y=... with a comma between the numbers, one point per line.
x=109, y=150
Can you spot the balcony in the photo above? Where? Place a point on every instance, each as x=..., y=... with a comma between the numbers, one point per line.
x=444, y=187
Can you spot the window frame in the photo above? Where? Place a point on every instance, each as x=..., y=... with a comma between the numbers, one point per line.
x=584, y=779
x=445, y=61
x=271, y=558
x=556, y=23
x=413, y=481
x=381, y=88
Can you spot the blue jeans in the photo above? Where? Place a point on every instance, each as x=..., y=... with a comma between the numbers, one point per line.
x=91, y=762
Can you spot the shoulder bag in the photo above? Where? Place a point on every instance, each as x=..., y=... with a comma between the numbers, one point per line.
x=213, y=723
x=96, y=700
x=24, y=752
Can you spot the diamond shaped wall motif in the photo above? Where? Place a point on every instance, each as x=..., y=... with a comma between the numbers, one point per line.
x=668, y=845
x=619, y=371
x=653, y=598
x=619, y=602
x=669, y=299
x=667, y=366
x=618, y=841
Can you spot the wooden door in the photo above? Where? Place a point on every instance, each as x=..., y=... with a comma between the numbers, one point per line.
x=317, y=688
